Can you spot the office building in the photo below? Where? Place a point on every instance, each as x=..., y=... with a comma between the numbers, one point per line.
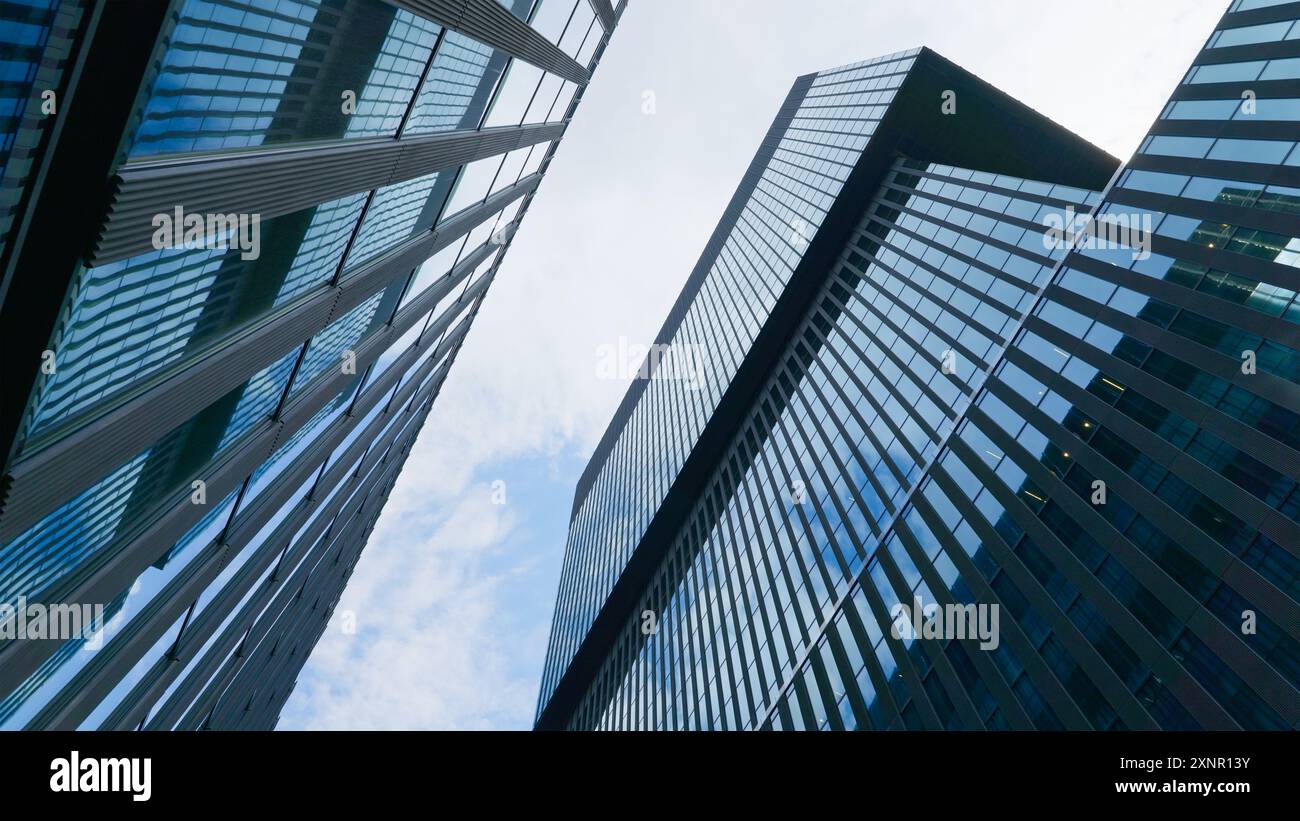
x=922, y=384
x=243, y=242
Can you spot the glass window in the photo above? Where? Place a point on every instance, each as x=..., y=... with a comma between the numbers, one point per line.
x=552, y=16
x=473, y=184
x=50, y=678
x=1288, y=69
x=459, y=85
x=578, y=29
x=1202, y=110
x=511, y=165
x=1179, y=146
x=395, y=350
x=432, y=270
x=1227, y=72
x=133, y=677
x=120, y=504
x=1247, y=35
x=1271, y=152
x=542, y=108
x=250, y=73
x=398, y=212
x=335, y=347
x=515, y=95
x=536, y=154
x=133, y=318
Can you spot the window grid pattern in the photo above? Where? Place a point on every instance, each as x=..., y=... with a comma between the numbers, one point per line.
x=106, y=517
x=457, y=77
x=131, y=319
x=1123, y=486
x=823, y=463
x=24, y=33
x=816, y=152
x=248, y=73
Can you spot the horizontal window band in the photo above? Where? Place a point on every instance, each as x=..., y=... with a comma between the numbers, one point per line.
x=1118, y=619
x=279, y=181
x=1234, y=89
x=1268, y=327
x=1254, y=17
x=1232, y=430
x=1219, y=259
x=87, y=690
x=1275, y=389
x=115, y=571
x=294, y=626
x=285, y=623
x=1181, y=602
x=1164, y=453
x=1245, y=129
x=187, y=700
x=494, y=25
x=1231, y=170
x=271, y=665
x=1278, y=49
x=83, y=694
x=49, y=477
x=233, y=467
x=1215, y=211
x=156, y=681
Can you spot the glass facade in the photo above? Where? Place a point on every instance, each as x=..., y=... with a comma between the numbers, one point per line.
x=1099, y=441
x=34, y=41
x=227, y=539
x=818, y=145
x=256, y=73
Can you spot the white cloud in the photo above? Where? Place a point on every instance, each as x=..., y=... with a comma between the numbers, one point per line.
x=428, y=651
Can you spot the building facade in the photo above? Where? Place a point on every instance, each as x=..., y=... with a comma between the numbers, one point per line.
x=923, y=388
x=243, y=242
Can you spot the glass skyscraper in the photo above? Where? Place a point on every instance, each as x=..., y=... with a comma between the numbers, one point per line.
x=917, y=375
x=199, y=434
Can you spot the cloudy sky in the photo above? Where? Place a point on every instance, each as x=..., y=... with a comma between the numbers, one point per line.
x=453, y=597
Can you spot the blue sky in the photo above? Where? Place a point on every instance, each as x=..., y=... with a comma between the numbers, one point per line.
x=454, y=595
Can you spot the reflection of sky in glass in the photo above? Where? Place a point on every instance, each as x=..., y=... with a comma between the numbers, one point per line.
x=833, y=124
x=20, y=706
x=22, y=42
x=264, y=72
x=134, y=318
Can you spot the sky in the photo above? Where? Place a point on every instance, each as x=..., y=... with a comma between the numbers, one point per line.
x=453, y=597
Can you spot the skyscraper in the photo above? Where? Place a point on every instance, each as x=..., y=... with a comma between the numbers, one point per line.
x=922, y=398
x=243, y=242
